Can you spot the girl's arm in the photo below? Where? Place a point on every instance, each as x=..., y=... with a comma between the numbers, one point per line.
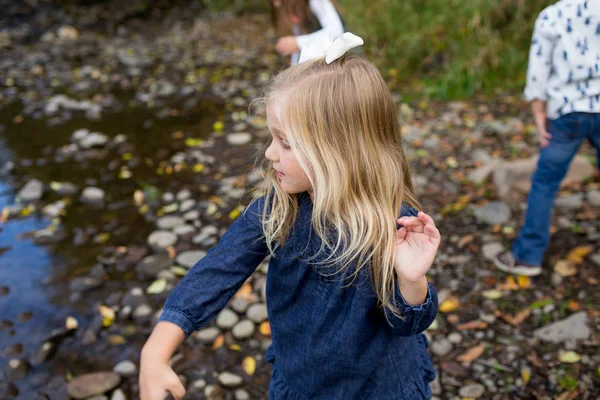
x=329, y=19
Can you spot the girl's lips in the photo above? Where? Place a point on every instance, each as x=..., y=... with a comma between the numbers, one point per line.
x=280, y=174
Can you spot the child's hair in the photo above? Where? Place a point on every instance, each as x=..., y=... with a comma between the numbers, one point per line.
x=342, y=123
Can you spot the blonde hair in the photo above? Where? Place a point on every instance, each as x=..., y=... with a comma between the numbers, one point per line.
x=342, y=123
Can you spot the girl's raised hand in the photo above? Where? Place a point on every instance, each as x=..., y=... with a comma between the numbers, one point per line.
x=416, y=246
x=157, y=380
x=287, y=45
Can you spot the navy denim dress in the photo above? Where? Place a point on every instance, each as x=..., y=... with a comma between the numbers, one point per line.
x=330, y=339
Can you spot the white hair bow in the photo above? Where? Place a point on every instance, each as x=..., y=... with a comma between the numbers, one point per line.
x=330, y=50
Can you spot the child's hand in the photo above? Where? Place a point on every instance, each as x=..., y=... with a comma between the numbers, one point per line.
x=287, y=45
x=157, y=380
x=416, y=246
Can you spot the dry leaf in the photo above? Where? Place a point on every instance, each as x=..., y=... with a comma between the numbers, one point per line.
x=472, y=325
x=523, y=281
x=565, y=268
x=578, y=253
x=219, y=341
x=449, y=305
x=525, y=375
x=517, y=319
x=510, y=284
x=265, y=328
x=244, y=292
x=116, y=340
x=574, y=305
x=569, y=357
x=249, y=365
x=493, y=294
x=471, y=354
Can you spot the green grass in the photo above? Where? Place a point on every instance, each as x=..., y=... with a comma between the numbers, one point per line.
x=447, y=49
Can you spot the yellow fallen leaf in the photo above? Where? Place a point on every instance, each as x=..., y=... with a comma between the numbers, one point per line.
x=470, y=355
x=578, y=253
x=569, y=357
x=249, y=365
x=265, y=328
x=198, y=167
x=449, y=305
x=525, y=375
x=236, y=212
x=71, y=323
x=218, y=126
x=219, y=341
x=493, y=294
x=510, y=284
x=524, y=281
x=565, y=268
x=235, y=347
x=106, y=322
x=116, y=340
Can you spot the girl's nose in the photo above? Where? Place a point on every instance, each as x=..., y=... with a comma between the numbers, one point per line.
x=271, y=153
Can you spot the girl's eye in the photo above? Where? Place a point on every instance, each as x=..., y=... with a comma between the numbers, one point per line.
x=285, y=145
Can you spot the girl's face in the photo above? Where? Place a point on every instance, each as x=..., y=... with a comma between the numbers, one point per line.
x=292, y=177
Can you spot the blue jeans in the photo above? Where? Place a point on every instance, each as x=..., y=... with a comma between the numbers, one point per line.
x=567, y=134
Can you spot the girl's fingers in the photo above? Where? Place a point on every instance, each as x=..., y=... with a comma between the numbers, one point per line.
x=412, y=224
x=401, y=233
x=434, y=234
x=426, y=218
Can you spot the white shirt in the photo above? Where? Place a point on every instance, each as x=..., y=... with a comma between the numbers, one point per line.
x=330, y=21
x=564, y=59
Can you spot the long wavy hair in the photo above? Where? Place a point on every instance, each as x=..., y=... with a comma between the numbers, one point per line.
x=342, y=124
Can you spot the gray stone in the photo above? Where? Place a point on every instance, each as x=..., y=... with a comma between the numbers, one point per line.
x=184, y=194
x=490, y=250
x=571, y=202
x=170, y=222
x=436, y=387
x=572, y=328
x=239, y=138
x=595, y=258
x=593, y=198
x=54, y=209
x=227, y=319
x=32, y=191
x=160, y=240
x=243, y=329
x=192, y=215
x=240, y=305
x=189, y=258
x=85, y=283
x=230, y=380
x=126, y=368
x=441, y=347
x=241, y=394
x=152, y=265
x=473, y=391
x=187, y=205
x=142, y=311
x=480, y=155
x=64, y=188
x=213, y=392
x=492, y=213
x=94, y=139
x=118, y=395
x=92, y=195
x=455, y=338
x=205, y=233
x=257, y=312
x=184, y=230
x=207, y=335
x=88, y=385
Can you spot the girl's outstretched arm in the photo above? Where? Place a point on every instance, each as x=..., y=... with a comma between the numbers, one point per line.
x=330, y=21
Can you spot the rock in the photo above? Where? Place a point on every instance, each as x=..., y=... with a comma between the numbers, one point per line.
x=94, y=139
x=480, y=174
x=67, y=32
x=473, y=391
x=239, y=138
x=16, y=369
x=240, y=305
x=493, y=213
x=455, y=338
x=257, y=312
x=32, y=191
x=160, y=240
x=184, y=230
x=230, y=380
x=572, y=328
x=213, y=392
x=45, y=352
x=441, y=347
x=84, y=284
x=481, y=156
x=92, y=195
x=227, y=319
x=192, y=215
x=593, y=198
x=152, y=265
x=64, y=188
x=207, y=335
x=142, y=311
x=241, y=394
x=126, y=368
x=187, y=205
x=490, y=250
x=595, y=258
x=571, y=202
x=118, y=395
x=88, y=385
x=8, y=390
x=243, y=329
x=169, y=222
x=189, y=258
x=206, y=233
x=183, y=194
x=54, y=209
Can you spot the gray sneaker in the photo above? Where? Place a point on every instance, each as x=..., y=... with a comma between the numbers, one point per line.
x=506, y=262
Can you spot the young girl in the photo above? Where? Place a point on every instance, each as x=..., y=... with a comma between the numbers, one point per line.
x=347, y=295
x=301, y=22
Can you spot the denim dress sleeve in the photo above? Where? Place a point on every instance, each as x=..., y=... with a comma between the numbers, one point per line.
x=209, y=284
x=414, y=319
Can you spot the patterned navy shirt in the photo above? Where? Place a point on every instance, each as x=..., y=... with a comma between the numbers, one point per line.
x=564, y=59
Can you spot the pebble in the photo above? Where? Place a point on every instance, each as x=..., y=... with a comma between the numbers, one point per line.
x=118, y=395
x=152, y=265
x=243, y=329
x=126, y=368
x=240, y=305
x=207, y=335
x=142, y=311
x=230, y=380
x=227, y=319
x=570, y=202
x=473, y=391
x=441, y=347
x=241, y=394
x=160, y=240
x=184, y=194
x=88, y=385
x=192, y=215
x=572, y=328
x=184, y=230
x=257, y=312
x=239, y=138
x=187, y=205
x=92, y=195
x=32, y=191
x=84, y=284
x=170, y=222
x=490, y=250
x=593, y=198
x=189, y=258
x=455, y=338
x=493, y=213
